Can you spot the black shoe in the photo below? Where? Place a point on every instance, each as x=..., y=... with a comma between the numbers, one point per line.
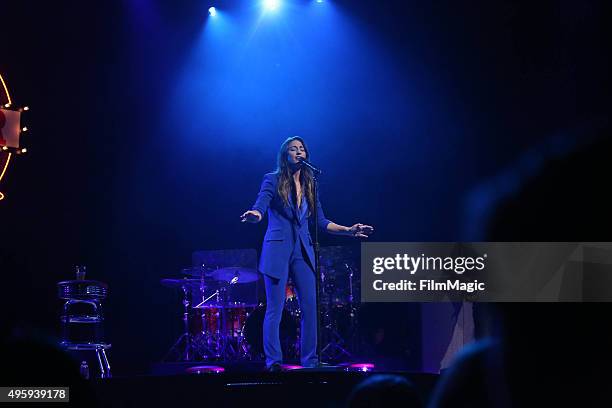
x=274, y=368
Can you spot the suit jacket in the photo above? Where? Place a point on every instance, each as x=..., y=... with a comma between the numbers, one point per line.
x=285, y=224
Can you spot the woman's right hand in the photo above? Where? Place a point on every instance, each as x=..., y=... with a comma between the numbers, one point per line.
x=252, y=216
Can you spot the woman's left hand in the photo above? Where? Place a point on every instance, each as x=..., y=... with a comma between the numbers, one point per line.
x=360, y=230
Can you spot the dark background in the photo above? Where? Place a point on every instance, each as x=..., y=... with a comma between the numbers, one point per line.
x=427, y=103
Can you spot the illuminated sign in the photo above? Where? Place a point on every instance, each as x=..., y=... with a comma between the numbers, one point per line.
x=10, y=130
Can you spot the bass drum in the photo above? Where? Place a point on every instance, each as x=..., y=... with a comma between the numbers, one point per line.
x=288, y=333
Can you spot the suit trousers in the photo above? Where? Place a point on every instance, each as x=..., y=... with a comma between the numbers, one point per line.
x=304, y=277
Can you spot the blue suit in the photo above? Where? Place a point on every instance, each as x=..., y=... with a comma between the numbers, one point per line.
x=287, y=248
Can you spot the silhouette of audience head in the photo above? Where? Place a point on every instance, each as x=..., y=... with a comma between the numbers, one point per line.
x=384, y=391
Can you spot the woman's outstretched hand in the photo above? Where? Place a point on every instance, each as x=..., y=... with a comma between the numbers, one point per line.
x=252, y=216
x=360, y=230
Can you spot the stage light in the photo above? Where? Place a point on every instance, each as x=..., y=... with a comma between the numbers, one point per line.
x=363, y=367
x=24, y=129
x=212, y=11
x=271, y=4
x=25, y=108
x=289, y=367
x=319, y=1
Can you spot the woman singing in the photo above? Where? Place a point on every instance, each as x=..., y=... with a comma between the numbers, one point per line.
x=288, y=196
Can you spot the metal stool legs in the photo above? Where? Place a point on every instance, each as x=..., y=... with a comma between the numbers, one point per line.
x=105, y=371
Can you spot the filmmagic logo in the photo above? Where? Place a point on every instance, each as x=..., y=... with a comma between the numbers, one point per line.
x=430, y=285
x=411, y=264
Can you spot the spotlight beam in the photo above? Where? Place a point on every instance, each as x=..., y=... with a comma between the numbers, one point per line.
x=271, y=4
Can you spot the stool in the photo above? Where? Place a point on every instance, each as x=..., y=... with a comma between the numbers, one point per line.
x=82, y=319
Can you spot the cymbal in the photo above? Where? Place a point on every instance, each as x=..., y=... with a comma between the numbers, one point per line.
x=178, y=283
x=196, y=271
x=243, y=275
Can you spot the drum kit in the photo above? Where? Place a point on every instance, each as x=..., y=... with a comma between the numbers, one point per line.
x=221, y=323
x=213, y=318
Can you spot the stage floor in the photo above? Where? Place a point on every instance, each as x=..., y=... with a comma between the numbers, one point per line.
x=313, y=388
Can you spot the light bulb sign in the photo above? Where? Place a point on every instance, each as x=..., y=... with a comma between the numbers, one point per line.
x=10, y=130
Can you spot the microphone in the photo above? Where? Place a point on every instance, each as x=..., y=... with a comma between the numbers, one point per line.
x=311, y=166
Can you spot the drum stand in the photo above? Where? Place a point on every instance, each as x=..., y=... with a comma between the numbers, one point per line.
x=206, y=341
x=225, y=350
x=337, y=346
x=184, y=345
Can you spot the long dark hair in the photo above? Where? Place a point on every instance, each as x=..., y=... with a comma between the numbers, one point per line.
x=285, y=179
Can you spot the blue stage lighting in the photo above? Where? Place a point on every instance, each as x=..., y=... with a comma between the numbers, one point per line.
x=212, y=11
x=319, y=1
x=271, y=4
